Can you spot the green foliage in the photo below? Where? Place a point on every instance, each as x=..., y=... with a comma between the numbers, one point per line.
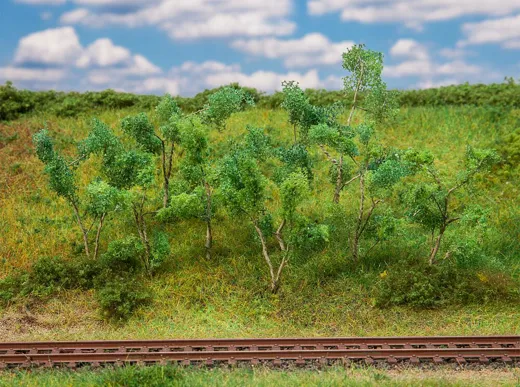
x=44, y=146
x=295, y=101
x=48, y=276
x=365, y=67
x=141, y=129
x=293, y=190
x=123, y=257
x=242, y=183
x=183, y=206
x=308, y=238
x=509, y=149
x=425, y=286
x=194, y=139
x=274, y=185
x=302, y=114
x=428, y=203
x=61, y=178
x=258, y=143
x=101, y=140
x=103, y=198
x=167, y=109
x=161, y=250
x=119, y=297
x=128, y=169
x=223, y=103
x=15, y=103
x=295, y=158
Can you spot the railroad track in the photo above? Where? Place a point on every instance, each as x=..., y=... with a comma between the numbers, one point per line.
x=300, y=351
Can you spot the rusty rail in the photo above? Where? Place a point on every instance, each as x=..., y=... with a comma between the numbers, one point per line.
x=460, y=349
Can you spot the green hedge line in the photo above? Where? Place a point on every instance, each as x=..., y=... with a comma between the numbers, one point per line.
x=15, y=103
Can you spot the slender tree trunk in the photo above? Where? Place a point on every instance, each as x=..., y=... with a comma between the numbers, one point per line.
x=209, y=232
x=141, y=229
x=265, y=253
x=437, y=245
x=294, y=131
x=83, y=230
x=166, y=192
x=167, y=161
x=339, y=180
x=209, y=238
x=98, y=234
x=279, y=237
x=351, y=115
x=357, y=233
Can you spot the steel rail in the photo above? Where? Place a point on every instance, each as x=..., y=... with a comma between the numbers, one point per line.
x=271, y=343
x=416, y=355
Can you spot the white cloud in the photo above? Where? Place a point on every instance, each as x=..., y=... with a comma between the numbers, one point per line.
x=103, y=53
x=411, y=12
x=409, y=48
x=265, y=80
x=457, y=67
x=429, y=68
x=46, y=15
x=504, y=31
x=191, y=19
x=419, y=63
x=310, y=50
x=75, y=17
x=204, y=67
x=11, y=73
x=42, y=2
x=51, y=47
x=454, y=53
x=190, y=78
x=429, y=84
x=61, y=54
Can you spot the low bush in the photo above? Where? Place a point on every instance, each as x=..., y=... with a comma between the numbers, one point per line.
x=118, y=297
x=123, y=256
x=15, y=103
x=48, y=276
x=427, y=286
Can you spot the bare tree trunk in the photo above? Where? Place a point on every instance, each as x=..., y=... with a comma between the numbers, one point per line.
x=357, y=234
x=83, y=230
x=279, y=237
x=166, y=192
x=275, y=277
x=436, y=246
x=167, y=171
x=209, y=238
x=209, y=232
x=351, y=115
x=141, y=229
x=98, y=234
x=265, y=253
x=339, y=180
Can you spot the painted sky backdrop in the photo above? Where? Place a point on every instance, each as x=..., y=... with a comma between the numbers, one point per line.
x=185, y=46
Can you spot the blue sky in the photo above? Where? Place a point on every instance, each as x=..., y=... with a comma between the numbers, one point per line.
x=185, y=46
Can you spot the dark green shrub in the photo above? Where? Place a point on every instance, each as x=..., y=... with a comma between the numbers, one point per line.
x=153, y=376
x=118, y=297
x=420, y=285
x=161, y=250
x=10, y=287
x=509, y=150
x=123, y=256
x=48, y=276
